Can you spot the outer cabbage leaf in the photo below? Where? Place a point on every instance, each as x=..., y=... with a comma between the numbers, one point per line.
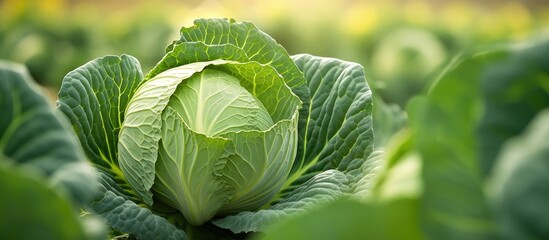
x=128, y=217
x=32, y=134
x=94, y=98
x=338, y=133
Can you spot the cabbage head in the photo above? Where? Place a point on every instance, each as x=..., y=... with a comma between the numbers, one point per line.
x=221, y=137
x=226, y=131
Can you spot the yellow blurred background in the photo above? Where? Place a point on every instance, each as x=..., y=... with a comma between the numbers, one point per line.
x=400, y=42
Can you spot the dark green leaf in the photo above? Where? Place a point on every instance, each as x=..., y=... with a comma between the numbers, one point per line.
x=519, y=183
x=33, y=210
x=128, y=217
x=514, y=91
x=94, y=98
x=338, y=133
x=31, y=134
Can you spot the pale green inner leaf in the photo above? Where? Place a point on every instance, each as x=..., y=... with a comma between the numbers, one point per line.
x=188, y=166
x=213, y=102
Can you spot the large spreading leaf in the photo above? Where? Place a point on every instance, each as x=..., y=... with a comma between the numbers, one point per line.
x=518, y=184
x=338, y=133
x=514, y=90
x=94, y=98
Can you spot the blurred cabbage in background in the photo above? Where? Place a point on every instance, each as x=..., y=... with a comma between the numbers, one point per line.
x=401, y=43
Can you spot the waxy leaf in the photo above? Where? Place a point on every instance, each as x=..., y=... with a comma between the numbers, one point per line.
x=94, y=98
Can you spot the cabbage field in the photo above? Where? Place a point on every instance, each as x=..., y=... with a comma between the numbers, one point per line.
x=252, y=120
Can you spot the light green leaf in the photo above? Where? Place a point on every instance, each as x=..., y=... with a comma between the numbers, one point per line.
x=518, y=184
x=265, y=161
x=126, y=216
x=94, y=98
x=265, y=84
x=140, y=132
x=189, y=170
x=323, y=188
x=453, y=204
x=213, y=102
x=391, y=173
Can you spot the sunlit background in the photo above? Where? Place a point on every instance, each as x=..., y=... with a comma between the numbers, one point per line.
x=400, y=43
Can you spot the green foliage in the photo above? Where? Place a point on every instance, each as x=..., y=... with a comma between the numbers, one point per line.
x=453, y=203
x=43, y=174
x=229, y=136
x=28, y=206
x=514, y=90
x=479, y=106
x=347, y=219
x=520, y=176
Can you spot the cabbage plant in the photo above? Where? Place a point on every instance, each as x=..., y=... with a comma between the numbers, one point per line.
x=226, y=131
